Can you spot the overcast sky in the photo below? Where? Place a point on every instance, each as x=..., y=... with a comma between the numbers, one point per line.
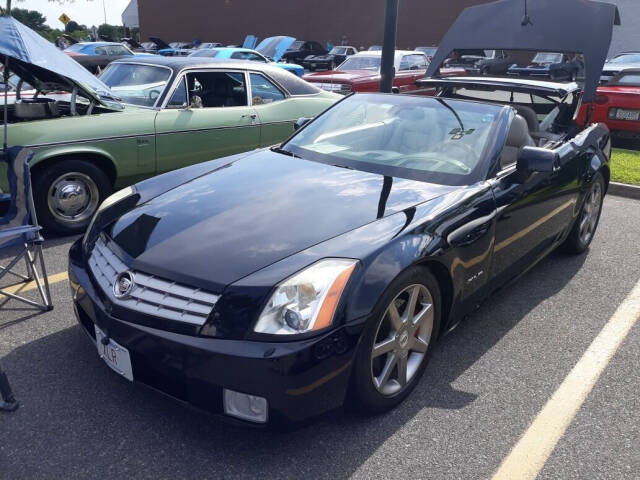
x=87, y=12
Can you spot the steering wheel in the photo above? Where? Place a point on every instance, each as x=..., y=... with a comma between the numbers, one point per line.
x=153, y=95
x=445, y=147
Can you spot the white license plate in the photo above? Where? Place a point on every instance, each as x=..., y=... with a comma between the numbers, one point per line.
x=114, y=355
x=313, y=65
x=622, y=114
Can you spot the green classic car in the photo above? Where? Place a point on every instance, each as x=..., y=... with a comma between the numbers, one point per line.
x=172, y=112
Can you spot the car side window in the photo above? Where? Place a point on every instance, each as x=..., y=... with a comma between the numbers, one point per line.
x=216, y=89
x=117, y=50
x=179, y=98
x=264, y=91
x=101, y=51
x=413, y=62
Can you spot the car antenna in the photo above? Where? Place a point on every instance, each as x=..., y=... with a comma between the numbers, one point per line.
x=526, y=20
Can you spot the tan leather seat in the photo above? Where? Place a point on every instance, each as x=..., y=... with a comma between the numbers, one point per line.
x=517, y=138
x=529, y=115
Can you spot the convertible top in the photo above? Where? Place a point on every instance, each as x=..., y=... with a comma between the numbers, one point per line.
x=569, y=26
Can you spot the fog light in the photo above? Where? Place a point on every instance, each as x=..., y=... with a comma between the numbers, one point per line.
x=244, y=406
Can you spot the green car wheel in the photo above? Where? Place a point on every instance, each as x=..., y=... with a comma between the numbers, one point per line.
x=67, y=194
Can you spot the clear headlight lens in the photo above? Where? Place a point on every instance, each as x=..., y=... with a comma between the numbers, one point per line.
x=308, y=300
x=108, y=202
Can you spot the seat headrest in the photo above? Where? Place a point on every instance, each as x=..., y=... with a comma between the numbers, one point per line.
x=518, y=132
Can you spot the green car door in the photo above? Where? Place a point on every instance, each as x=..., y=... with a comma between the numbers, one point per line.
x=208, y=115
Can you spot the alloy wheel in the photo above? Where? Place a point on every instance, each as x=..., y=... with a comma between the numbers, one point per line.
x=402, y=340
x=73, y=198
x=590, y=213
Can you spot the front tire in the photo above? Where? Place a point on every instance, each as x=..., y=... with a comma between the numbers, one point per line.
x=67, y=193
x=586, y=224
x=397, y=344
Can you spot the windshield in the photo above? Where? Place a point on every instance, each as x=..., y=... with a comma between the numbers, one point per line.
x=136, y=84
x=543, y=57
x=207, y=52
x=338, y=51
x=627, y=58
x=436, y=140
x=361, y=63
x=76, y=47
x=632, y=79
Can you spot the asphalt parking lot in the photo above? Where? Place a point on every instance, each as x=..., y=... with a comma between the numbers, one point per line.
x=486, y=383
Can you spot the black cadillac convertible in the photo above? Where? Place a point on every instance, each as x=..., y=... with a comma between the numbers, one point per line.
x=273, y=285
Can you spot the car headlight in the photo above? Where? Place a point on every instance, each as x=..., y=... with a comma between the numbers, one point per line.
x=307, y=301
x=108, y=202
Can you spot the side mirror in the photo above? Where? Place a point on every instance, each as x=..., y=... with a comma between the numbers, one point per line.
x=535, y=159
x=301, y=122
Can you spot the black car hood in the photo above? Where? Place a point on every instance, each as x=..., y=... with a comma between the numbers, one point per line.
x=219, y=227
x=503, y=25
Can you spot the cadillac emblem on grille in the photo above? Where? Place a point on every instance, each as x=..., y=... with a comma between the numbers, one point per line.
x=123, y=285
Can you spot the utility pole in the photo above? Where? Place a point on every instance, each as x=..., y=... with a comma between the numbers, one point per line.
x=104, y=9
x=389, y=46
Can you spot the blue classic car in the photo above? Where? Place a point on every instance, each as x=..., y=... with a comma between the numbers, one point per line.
x=112, y=49
x=255, y=55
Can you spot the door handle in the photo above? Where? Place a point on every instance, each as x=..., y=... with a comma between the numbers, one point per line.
x=252, y=116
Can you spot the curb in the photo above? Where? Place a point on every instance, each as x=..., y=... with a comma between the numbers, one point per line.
x=624, y=190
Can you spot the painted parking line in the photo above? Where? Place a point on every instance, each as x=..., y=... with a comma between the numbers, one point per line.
x=20, y=288
x=534, y=448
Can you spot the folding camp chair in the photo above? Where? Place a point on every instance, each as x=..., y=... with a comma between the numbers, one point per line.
x=19, y=227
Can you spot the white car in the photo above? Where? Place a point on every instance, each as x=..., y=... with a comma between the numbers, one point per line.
x=620, y=62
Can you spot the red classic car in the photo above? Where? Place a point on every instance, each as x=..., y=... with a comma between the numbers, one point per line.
x=618, y=105
x=361, y=72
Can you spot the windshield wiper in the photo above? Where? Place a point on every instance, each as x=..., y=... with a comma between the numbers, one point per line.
x=284, y=152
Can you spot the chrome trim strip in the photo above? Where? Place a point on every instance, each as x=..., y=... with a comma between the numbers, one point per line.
x=207, y=129
x=73, y=142
x=84, y=140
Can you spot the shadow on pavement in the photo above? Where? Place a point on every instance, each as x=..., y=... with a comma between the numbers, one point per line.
x=80, y=420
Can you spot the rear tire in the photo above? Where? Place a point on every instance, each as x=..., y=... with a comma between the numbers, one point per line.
x=586, y=224
x=397, y=340
x=67, y=193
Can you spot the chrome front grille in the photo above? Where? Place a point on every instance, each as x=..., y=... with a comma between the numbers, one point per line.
x=150, y=295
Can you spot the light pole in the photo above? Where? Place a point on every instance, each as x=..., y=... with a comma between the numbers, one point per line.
x=104, y=9
x=389, y=46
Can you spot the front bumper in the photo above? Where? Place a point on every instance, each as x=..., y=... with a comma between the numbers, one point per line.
x=299, y=379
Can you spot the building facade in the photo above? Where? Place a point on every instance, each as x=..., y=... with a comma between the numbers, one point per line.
x=351, y=22
x=354, y=22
